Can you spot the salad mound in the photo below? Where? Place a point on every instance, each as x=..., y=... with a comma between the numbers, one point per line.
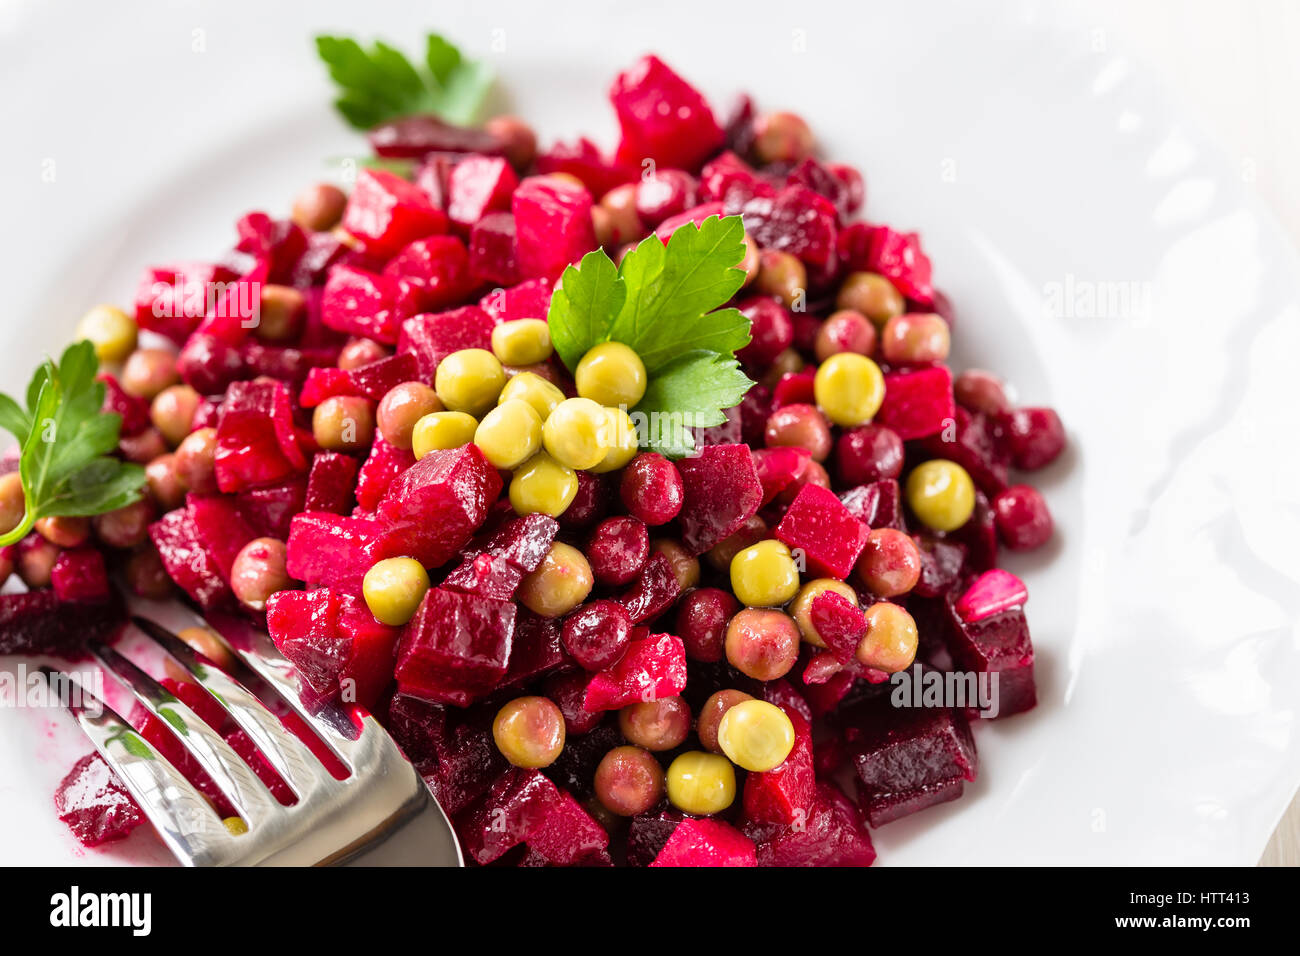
x=631, y=490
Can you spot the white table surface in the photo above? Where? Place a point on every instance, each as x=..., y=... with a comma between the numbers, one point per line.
x=1234, y=64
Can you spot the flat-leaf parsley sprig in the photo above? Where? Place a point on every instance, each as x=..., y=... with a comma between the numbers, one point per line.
x=66, y=442
x=664, y=302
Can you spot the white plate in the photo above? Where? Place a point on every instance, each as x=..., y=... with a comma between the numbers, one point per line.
x=1044, y=172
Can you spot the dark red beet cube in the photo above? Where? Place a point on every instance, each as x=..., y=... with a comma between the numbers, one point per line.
x=941, y=565
x=706, y=843
x=569, y=836
x=877, y=505
x=269, y=511
x=832, y=834
x=79, y=575
x=662, y=117
x=523, y=541
x=648, y=832
x=651, y=668
x=433, y=508
x=362, y=303
x=454, y=638
x=778, y=468
x=523, y=806
x=38, y=622
x=654, y=591
x=418, y=727
x=468, y=763
x=384, y=463
x=433, y=272
x=552, y=226
x=974, y=445
x=908, y=759
x=818, y=524
x=418, y=135
x=796, y=220
x=375, y=379
x=198, y=544
x=329, y=485
x=94, y=804
x=997, y=644
x=839, y=622
x=431, y=338
x=304, y=627
x=487, y=576
x=917, y=403
x=536, y=650
x=332, y=550
x=786, y=794
x=721, y=492
x=256, y=444
x=492, y=249
x=323, y=383
x=385, y=213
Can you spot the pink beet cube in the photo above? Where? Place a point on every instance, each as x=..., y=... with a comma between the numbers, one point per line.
x=653, y=592
x=479, y=185
x=487, y=576
x=917, y=403
x=79, y=575
x=527, y=300
x=256, y=444
x=362, y=303
x=523, y=806
x=898, y=257
x=385, y=212
x=332, y=550
x=991, y=593
x=367, y=676
x=662, y=117
x=434, y=273
x=832, y=834
x=996, y=644
x=454, y=637
x=651, y=668
x=198, y=544
x=433, y=508
x=304, y=627
x=95, y=804
x=785, y=794
x=878, y=504
x=552, y=226
x=384, y=463
x=431, y=338
x=323, y=383
x=329, y=485
x=171, y=300
x=706, y=843
x=583, y=159
x=375, y=379
x=840, y=623
x=233, y=313
x=492, y=249
x=818, y=524
x=721, y=492
x=778, y=468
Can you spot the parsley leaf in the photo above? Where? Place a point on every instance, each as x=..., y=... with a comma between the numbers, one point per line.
x=380, y=84
x=66, y=441
x=583, y=307
x=689, y=392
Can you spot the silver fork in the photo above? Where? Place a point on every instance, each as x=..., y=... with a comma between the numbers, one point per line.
x=381, y=814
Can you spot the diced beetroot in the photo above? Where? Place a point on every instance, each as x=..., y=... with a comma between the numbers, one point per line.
x=210, y=365
x=654, y=591
x=832, y=835
x=256, y=445
x=878, y=504
x=706, y=843
x=323, y=383
x=487, y=576
x=332, y=550
x=917, y=403
x=479, y=185
x=234, y=311
x=898, y=257
x=286, y=363
x=417, y=726
x=171, y=300
x=454, y=637
x=415, y=136
x=909, y=758
x=329, y=485
x=381, y=468
x=662, y=117
x=818, y=524
x=974, y=445
x=435, y=271
x=980, y=537
x=647, y=834
x=79, y=575
x=941, y=564
x=523, y=541
x=198, y=544
x=536, y=650
x=468, y=763
x=584, y=160
x=795, y=388
x=433, y=508
x=568, y=835
x=552, y=226
x=134, y=410
x=523, y=806
x=278, y=242
x=431, y=338
x=94, y=804
x=651, y=668
x=822, y=181
x=270, y=510
x=385, y=212
x=721, y=492
x=796, y=220
x=787, y=793
x=324, y=249
x=997, y=644
x=375, y=379
x=839, y=622
x=304, y=627
x=824, y=698
x=527, y=300
x=730, y=180
x=367, y=676
x=492, y=249
x=362, y=303
x=38, y=622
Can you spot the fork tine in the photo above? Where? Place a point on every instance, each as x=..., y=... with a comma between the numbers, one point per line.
x=290, y=757
x=218, y=759
x=181, y=815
